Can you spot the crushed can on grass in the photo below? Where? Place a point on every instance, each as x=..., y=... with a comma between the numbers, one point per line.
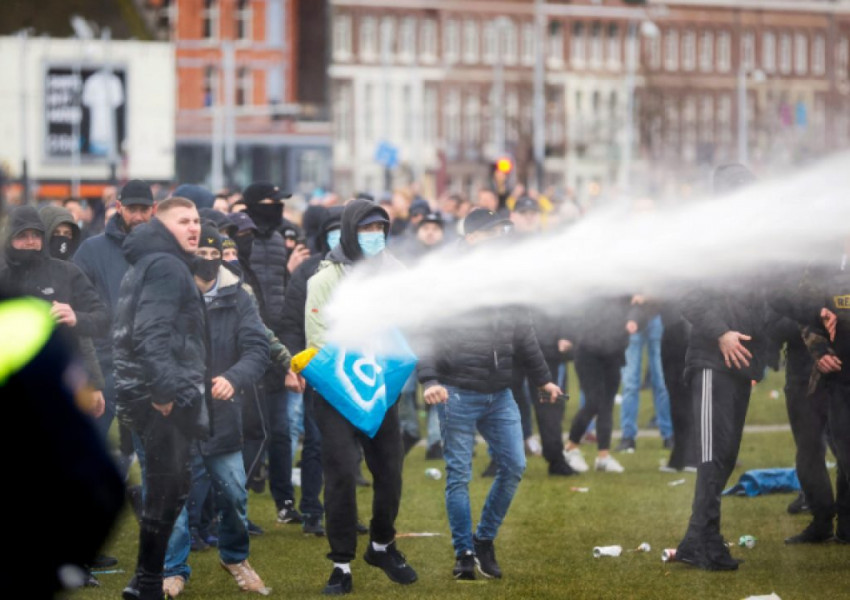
x=433, y=473
x=669, y=555
x=676, y=482
x=747, y=541
x=582, y=490
x=644, y=547
x=600, y=551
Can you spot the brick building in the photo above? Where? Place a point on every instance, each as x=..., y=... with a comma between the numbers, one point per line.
x=449, y=85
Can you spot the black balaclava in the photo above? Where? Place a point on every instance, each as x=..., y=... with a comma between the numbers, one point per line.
x=205, y=268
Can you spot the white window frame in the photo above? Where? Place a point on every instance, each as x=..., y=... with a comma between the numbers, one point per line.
x=768, y=52
x=555, y=39
x=490, y=42
x=387, y=28
x=510, y=47
x=245, y=86
x=578, y=44
x=408, y=127
x=671, y=50
x=819, y=55
x=342, y=114
x=368, y=108
x=211, y=13
x=801, y=53
x=472, y=122
x=428, y=40
x=342, y=38
x=245, y=17
x=452, y=118
x=429, y=116
x=786, y=53
x=368, y=39
x=842, y=59
x=614, y=46
x=653, y=51
x=528, y=53
x=748, y=50
x=451, y=41
x=471, y=42
x=597, y=45
x=407, y=39
x=706, y=51
x=689, y=50
x=723, y=51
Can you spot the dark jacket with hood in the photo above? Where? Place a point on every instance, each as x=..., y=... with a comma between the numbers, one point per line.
x=160, y=334
x=480, y=351
x=102, y=259
x=50, y=279
x=296, y=292
x=239, y=352
x=53, y=216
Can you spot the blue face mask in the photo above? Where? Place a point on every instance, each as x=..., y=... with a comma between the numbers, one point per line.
x=333, y=238
x=371, y=243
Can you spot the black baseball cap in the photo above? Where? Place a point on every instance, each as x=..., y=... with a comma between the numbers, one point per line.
x=260, y=190
x=481, y=219
x=136, y=191
x=433, y=217
x=526, y=204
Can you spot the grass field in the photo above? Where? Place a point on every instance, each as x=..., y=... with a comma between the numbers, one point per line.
x=545, y=546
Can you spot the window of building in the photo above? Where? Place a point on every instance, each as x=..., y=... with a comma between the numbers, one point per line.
x=554, y=115
x=768, y=52
x=510, y=47
x=785, y=53
x=244, y=87
x=210, y=19
x=748, y=50
x=528, y=44
x=342, y=113
x=210, y=85
x=577, y=44
x=244, y=20
x=311, y=168
x=409, y=115
x=472, y=122
x=671, y=50
x=707, y=119
x=706, y=51
x=491, y=42
x=596, y=43
x=470, y=41
x=724, y=119
x=653, y=51
x=451, y=41
x=689, y=50
x=407, y=39
x=819, y=55
x=724, y=52
x=428, y=40
x=388, y=38
x=801, y=53
x=452, y=120
x=842, y=58
x=614, y=49
x=511, y=118
x=429, y=115
x=342, y=37
x=556, y=43
x=368, y=39
x=368, y=112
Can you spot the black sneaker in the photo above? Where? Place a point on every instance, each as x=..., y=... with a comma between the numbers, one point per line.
x=817, y=532
x=490, y=471
x=434, y=451
x=464, y=567
x=313, y=525
x=254, y=529
x=131, y=591
x=288, y=514
x=691, y=552
x=798, y=505
x=842, y=532
x=719, y=557
x=361, y=528
x=561, y=469
x=668, y=443
x=392, y=562
x=338, y=584
x=485, y=558
x=626, y=445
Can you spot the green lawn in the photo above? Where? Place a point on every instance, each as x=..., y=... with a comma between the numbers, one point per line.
x=546, y=542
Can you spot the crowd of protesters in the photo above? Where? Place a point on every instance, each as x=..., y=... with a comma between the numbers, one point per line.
x=186, y=309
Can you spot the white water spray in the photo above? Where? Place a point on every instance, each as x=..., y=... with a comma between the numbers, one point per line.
x=768, y=224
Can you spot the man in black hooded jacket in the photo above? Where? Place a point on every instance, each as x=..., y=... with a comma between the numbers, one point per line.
x=726, y=352
x=161, y=375
x=268, y=256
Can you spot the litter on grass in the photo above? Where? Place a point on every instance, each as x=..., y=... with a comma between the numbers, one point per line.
x=418, y=535
x=676, y=482
x=747, y=541
x=669, y=555
x=771, y=596
x=600, y=551
x=583, y=490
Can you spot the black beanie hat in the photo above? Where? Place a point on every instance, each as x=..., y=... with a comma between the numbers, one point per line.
x=210, y=237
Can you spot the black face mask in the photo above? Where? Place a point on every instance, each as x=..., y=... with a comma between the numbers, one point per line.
x=206, y=269
x=267, y=217
x=61, y=247
x=244, y=244
x=23, y=257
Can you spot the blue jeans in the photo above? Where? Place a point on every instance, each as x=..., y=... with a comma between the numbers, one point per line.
x=295, y=411
x=280, y=448
x=496, y=416
x=227, y=475
x=632, y=372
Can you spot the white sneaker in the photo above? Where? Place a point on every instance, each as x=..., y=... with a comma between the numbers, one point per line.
x=576, y=460
x=608, y=464
x=533, y=447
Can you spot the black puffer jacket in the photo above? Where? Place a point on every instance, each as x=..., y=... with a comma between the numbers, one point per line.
x=102, y=259
x=160, y=334
x=268, y=262
x=239, y=352
x=479, y=353
x=601, y=326
x=51, y=279
x=296, y=292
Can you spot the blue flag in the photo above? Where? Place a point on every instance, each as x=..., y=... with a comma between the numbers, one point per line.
x=362, y=387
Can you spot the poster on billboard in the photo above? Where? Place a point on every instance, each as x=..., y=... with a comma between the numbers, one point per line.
x=85, y=107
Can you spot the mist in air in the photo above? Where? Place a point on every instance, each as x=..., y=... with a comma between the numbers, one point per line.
x=612, y=251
